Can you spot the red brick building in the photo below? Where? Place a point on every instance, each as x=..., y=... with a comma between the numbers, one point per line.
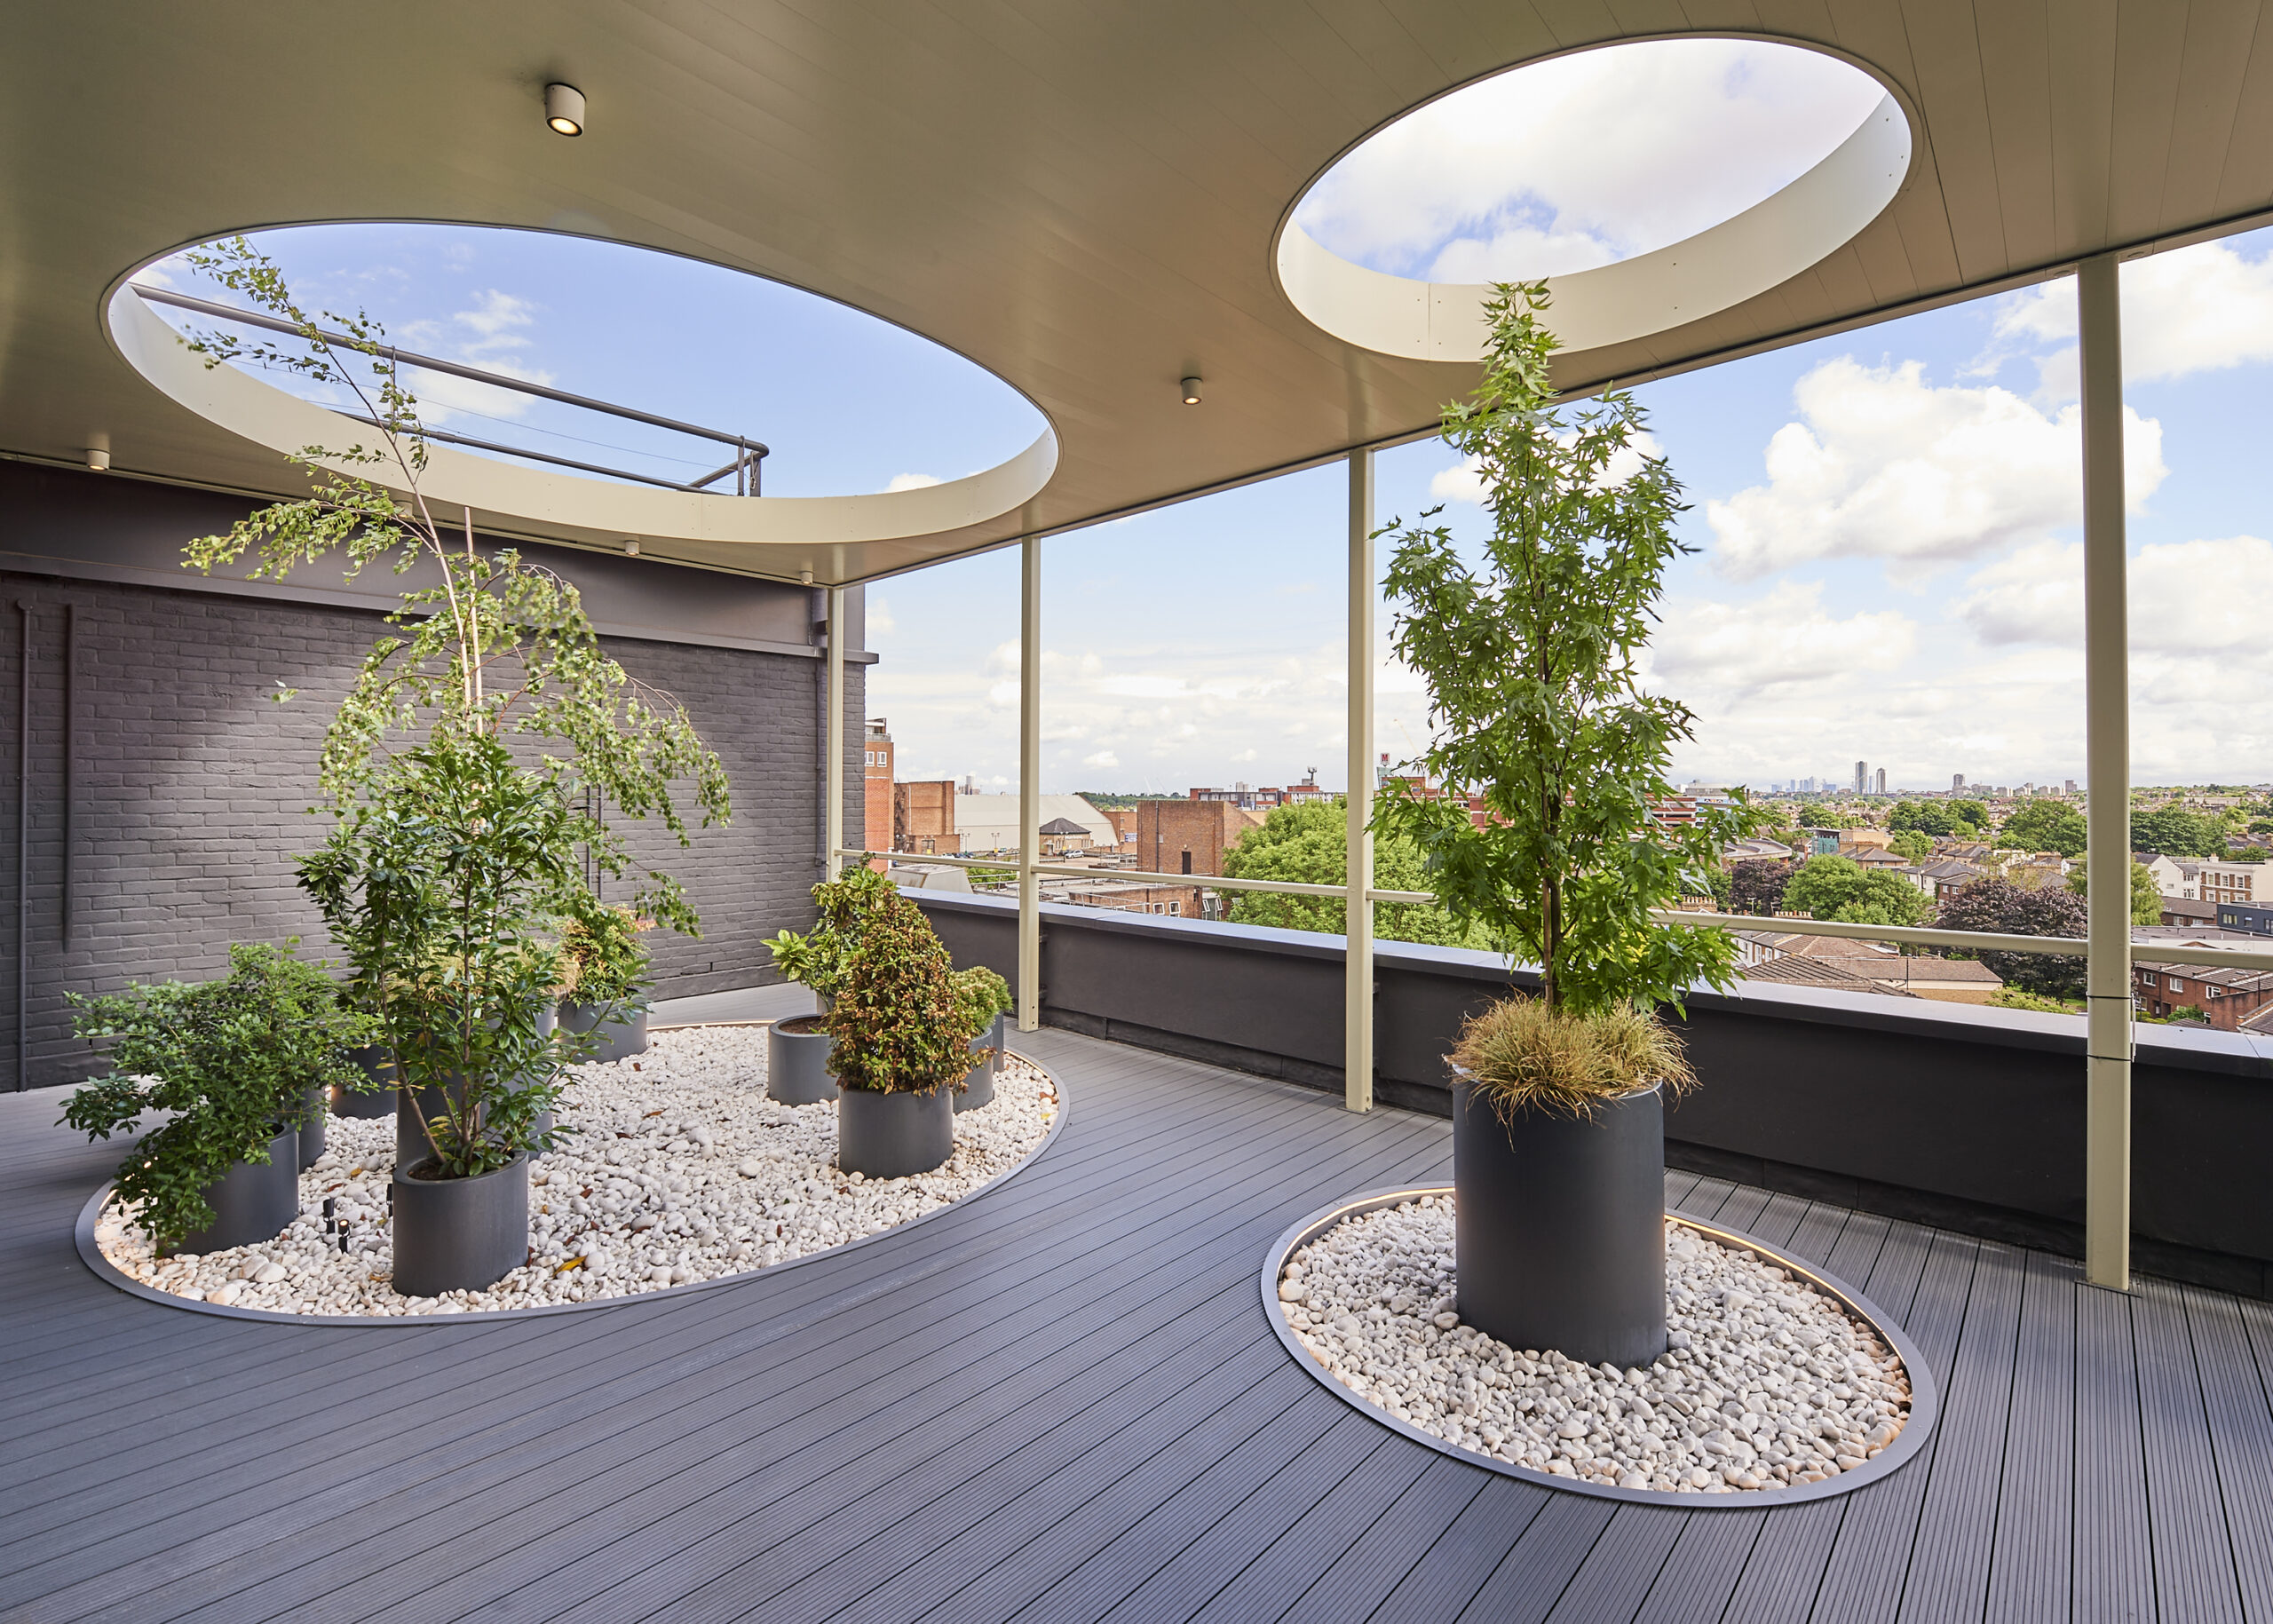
x=1189, y=837
x=875, y=756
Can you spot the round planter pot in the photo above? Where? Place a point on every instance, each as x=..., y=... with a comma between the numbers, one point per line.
x=978, y=1084
x=459, y=1235
x=1559, y=1226
x=796, y=1062
x=253, y=1202
x=314, y=1110
x=377, y=1064
x=892, y=1135
x=620, y=1037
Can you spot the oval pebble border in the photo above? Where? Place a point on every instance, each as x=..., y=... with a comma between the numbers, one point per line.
x=1453, y=1381
x=686, y=1177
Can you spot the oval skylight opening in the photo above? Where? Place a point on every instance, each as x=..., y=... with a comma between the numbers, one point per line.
x=1654, y=183
x=846, y=404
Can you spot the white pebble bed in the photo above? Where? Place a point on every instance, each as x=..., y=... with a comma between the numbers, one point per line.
x=684, y=1171
x=1769, y=1382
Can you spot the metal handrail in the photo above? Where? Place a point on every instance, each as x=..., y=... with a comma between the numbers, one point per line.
x=748, y=452
x=1919, y=936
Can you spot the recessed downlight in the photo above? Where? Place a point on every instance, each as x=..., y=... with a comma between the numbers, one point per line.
x=564, y=109
x=1191, y=389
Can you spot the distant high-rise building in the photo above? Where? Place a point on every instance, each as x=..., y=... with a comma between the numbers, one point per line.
x=1862, y=777
x=1878, y=781
x=2071, y=787
x=1957, y=782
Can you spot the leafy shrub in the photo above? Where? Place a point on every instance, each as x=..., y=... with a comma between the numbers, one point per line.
x=232, y=1061
x=1525, y=1055
x=601, y=960
x=902, y=1023
x=1756, y=886
x=818, y=959
x=1841, y=888
x=982, y=994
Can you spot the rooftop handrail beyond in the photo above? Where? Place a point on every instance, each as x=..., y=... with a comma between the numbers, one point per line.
x=1918, y=935
x=749, y=454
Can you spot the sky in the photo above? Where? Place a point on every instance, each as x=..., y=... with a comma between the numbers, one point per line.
x=1886, y=524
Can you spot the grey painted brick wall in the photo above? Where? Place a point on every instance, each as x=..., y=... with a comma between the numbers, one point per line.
x=190, y=787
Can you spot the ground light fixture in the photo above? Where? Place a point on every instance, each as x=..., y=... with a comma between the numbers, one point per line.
x=564, y=109
x=1191, y=389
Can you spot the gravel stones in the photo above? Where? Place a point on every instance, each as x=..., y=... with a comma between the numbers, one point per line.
x=1771, y=1383
x=684, y=1171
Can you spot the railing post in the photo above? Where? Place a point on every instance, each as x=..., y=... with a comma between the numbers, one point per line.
x=2107, y=759
x=1358, y=989
x=1029, y=987
x=833, y=814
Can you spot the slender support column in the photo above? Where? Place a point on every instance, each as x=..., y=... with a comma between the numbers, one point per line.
x=2107, y=728
x=1358, y=991
x=1029, y=987
x=833, y=817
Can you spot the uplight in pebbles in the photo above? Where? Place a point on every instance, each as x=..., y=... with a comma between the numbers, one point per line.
x=1768, y=1384
x=684, y=1171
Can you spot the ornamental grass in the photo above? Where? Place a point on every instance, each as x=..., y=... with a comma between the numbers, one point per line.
x=1523, y=1055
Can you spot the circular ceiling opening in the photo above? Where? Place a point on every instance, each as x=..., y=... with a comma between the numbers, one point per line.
x=1652, y=183
x=844, y=402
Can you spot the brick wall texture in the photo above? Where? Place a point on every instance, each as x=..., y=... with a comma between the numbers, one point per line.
x=188, y=791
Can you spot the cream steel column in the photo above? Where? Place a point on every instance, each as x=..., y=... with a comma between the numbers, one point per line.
x=2107, y=759
x=1358, y=991
x=1029, y=784
x=833, y=817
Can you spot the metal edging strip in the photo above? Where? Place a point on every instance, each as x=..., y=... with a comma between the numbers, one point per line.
x=1925, y=1396
x=91, y=1254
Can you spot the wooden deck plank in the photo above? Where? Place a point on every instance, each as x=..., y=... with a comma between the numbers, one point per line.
x=1454, y=1568
x=1623, y=1566
x=2241, y=1440
x=2193, y=1558
x=2032, y=1543
x=2114, y=1552
x=1701, y=1569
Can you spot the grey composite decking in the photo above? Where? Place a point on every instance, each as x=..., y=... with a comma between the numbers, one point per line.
x=1061, y=1401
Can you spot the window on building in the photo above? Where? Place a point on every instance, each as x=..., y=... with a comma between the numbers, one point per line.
x=1175, y=908
x=1187, y=862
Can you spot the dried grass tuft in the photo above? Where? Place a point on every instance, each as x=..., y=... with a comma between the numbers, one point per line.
x=1523, y=1055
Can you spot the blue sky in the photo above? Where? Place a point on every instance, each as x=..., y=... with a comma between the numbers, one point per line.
x=1887, y=522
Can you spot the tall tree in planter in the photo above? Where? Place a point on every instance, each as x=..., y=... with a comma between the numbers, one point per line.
x=457, y=769
x=1530, y=647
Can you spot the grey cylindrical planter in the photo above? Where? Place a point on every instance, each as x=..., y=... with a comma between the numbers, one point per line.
x=892, y=1135
x=378, y=1063
x=459, y=1235
x=314, y=1110
x=253, y=1202
x=796, y=1062
x=620, y=1038
x=1559, y=1226
x=978, y=1083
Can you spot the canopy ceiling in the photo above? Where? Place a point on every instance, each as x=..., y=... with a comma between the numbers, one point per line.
x=1083, y=198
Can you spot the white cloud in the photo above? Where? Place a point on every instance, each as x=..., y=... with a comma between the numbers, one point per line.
x=1884, y=464
x=2199, y=309
x=880, y=624
x=913, y=481
x=495, y=316
x=2197, y=600
x=1101, y=759
x=1787, y=637
x=1584, y=158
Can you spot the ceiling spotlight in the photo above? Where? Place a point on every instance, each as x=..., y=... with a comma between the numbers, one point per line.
x=564, y=109
x=631, y=548
x=98, y=458
x=1191, y=390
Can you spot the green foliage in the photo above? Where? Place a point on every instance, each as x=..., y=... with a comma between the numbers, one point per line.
x=1973, y=814
x=2021, y=998
x=2146, y=896
x=231, y=1060
x=601, y=960
x=819, y=959
x=499, y=650
x=1756, y=886
x=2045, y=826
x=1309, y=844
x=1914, y=846
x=1524, y=1054
x=1534, y=699
x=2190, y=1011
x=2177, y=833
x=442, y=886
x=1924, y=817
x=901, y=1021
x=1841, y=888
x=981, y=995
